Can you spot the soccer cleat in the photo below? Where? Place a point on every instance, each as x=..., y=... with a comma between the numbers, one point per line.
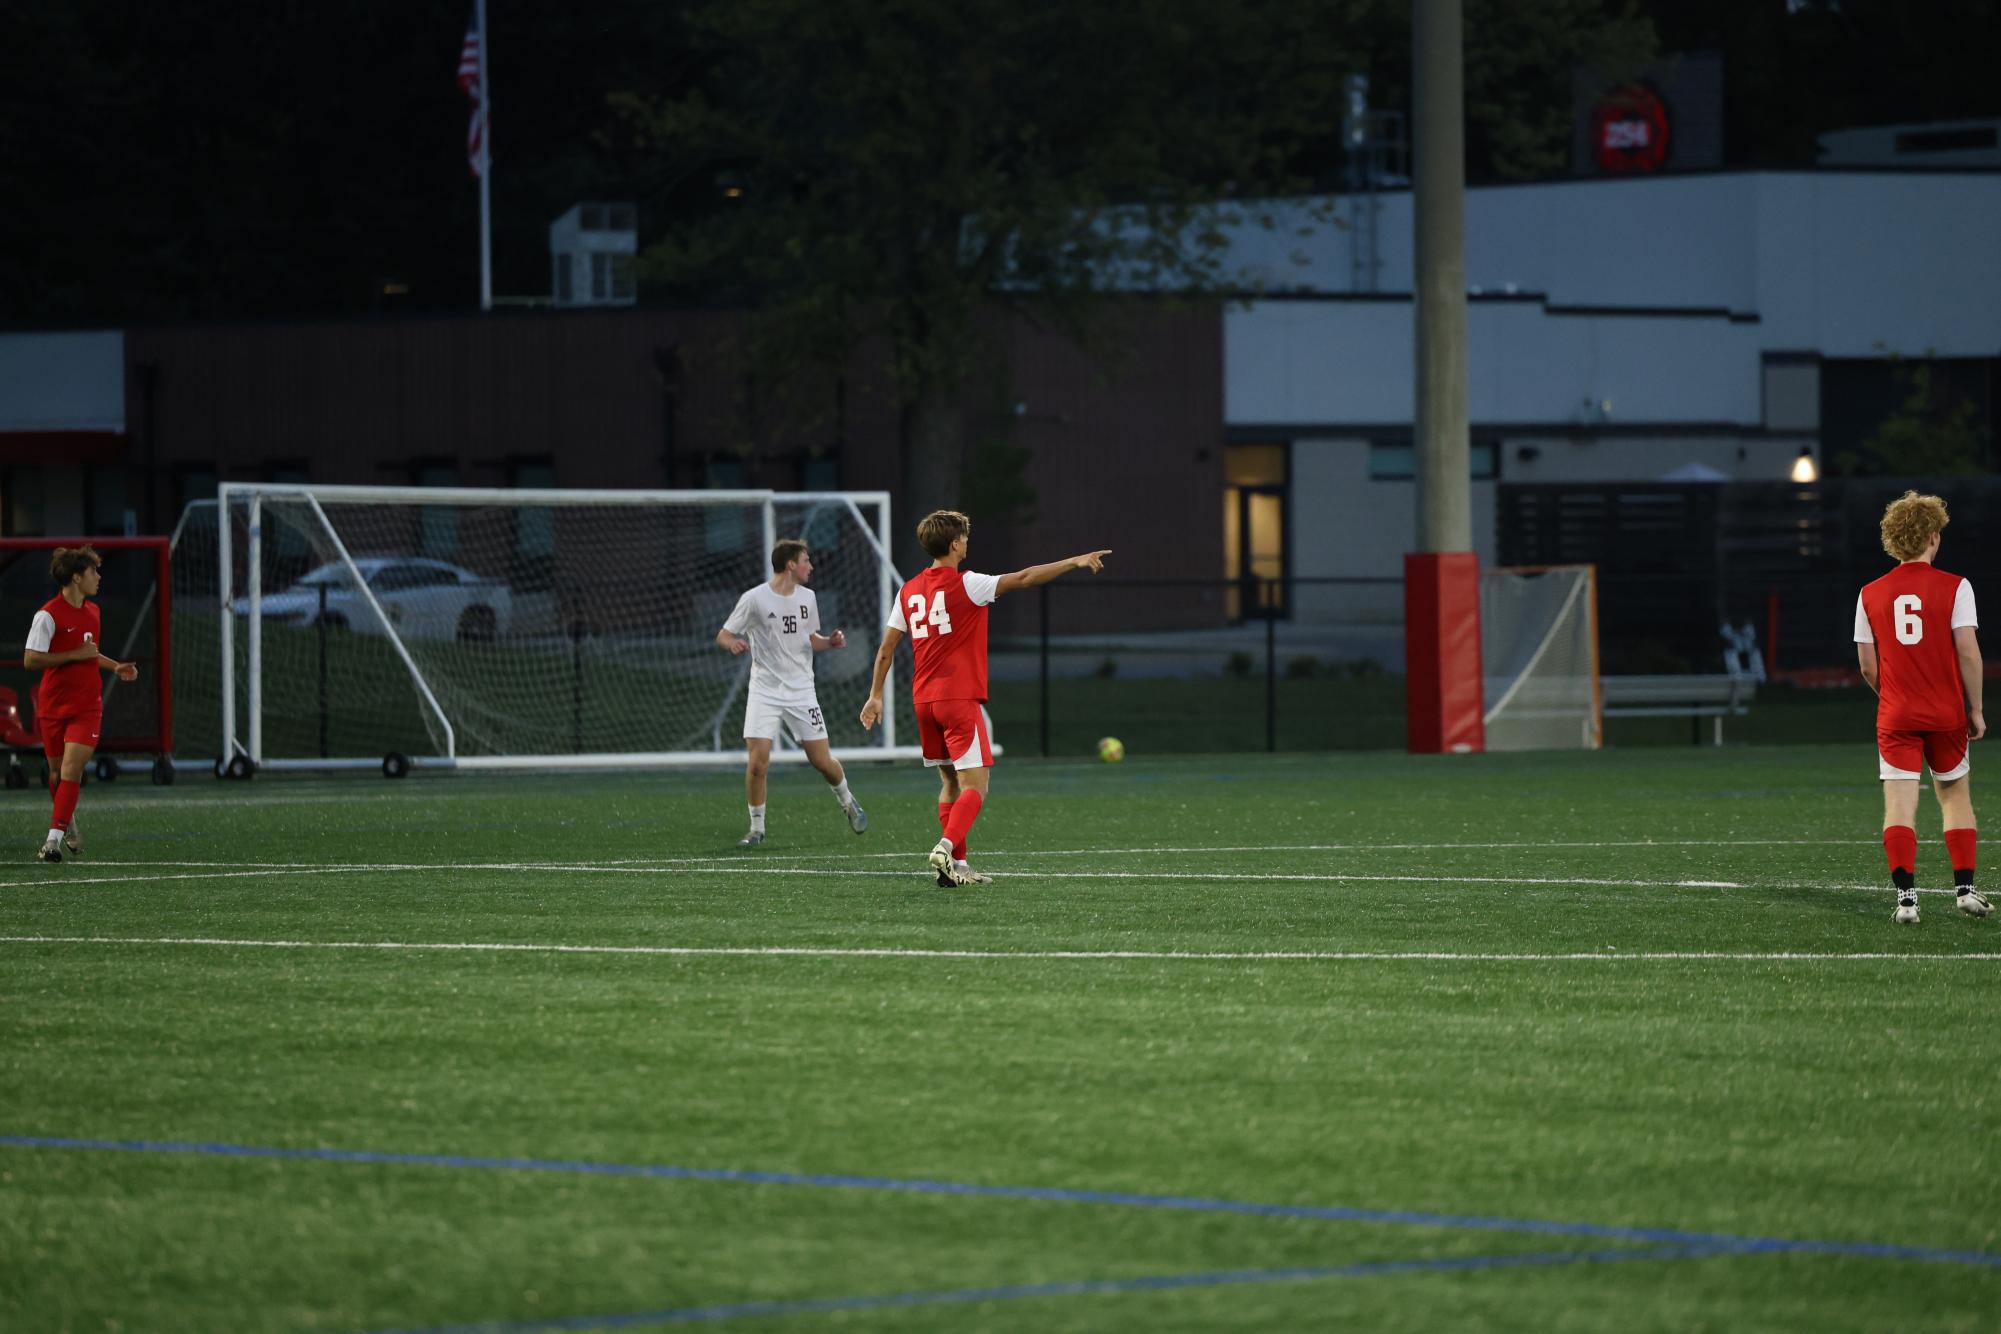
x=752, y=839
x=858, y=819
x=941, y=862
x=51, y=852
x=73, y=839
x=1973, y=903
x=971, y=877
x=1907, y=911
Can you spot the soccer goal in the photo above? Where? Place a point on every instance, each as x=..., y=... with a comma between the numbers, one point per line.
x=1539, y=650
x=478, y=628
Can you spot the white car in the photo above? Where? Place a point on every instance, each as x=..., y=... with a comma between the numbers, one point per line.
x=424, y=599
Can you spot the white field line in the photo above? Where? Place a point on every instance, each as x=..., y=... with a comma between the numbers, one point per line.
x=1199, y=956
x=749, y=868
x=738, y=858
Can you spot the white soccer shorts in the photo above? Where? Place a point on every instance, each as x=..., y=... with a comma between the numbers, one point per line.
x=762, y=716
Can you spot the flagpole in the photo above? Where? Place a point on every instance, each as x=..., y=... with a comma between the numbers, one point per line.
x=485, y=161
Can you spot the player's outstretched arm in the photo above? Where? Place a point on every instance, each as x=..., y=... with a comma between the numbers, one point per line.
x=1973, y=671
x=884, y=656
x=734, y=643
x=1042, y=574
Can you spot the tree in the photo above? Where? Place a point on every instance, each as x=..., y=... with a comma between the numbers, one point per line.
x=889, y=169
x=885, y=169
x=1924, y=437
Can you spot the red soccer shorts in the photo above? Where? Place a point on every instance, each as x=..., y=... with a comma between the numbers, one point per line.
x=60, y=732
x=1904, y=754
x=954, y=732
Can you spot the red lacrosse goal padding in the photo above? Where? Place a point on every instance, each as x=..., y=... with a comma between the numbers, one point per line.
x=1444, y=704
x=135, y=605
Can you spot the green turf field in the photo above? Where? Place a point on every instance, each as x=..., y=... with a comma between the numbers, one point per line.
x=1569, y=1042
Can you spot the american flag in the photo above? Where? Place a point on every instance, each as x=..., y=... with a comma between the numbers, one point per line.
x=472, y=81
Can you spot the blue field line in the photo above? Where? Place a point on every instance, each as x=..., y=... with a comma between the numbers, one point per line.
x=1044, y=1194
x=687, y=1315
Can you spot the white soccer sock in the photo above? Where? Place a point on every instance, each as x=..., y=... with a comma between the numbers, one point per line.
x=55, y=836
x=757, y=819
x=842, y=795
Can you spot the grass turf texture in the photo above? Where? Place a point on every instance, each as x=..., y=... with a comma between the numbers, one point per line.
x=1838, y=1100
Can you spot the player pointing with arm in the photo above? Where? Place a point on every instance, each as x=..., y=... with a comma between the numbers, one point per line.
x=777, y=623
x=944, y=611
x=69, y=704
x=1917, y=641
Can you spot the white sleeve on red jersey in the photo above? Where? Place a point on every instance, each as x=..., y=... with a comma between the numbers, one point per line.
x=1863, y=634
x=740, y=615
x=896, y=621
x=1963, y=613
x=982, y=588
x=42, y=632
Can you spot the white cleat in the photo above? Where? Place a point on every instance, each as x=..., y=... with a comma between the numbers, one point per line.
x=51, y=852
x=1907, y=911
x=1973, y=903
x=752, y=839
x=970, y=876
x=73, y=839
x=858, y=819
x=948, y=871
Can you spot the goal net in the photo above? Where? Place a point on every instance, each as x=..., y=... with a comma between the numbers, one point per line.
x=1539, y=649
x=477, y=628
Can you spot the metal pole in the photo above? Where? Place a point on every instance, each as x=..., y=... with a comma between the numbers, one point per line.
x=1271, y=679
x=253, y=560
x=485, y=162
x=1444, y=503
x=225, y=576
x=320, y=623
x=1042, y=611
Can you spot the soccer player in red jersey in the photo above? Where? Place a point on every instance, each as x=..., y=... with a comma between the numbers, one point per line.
x=69, y=705
x=944, y=611
x=1917, y=639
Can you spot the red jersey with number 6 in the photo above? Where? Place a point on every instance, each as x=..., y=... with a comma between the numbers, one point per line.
x=73, y=690
x=944, y=611
x=1909, y=615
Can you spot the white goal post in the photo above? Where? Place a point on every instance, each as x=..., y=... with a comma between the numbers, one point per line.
x=1539, y=656
x=506, y=628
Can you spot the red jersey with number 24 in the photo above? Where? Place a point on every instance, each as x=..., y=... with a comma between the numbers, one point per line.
x=944, y=611
x=74, y=689
x=1909, y=615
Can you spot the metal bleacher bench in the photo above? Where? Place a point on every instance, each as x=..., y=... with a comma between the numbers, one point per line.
x=1691, y=697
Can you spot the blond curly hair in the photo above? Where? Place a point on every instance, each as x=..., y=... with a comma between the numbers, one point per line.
x=1909, y=522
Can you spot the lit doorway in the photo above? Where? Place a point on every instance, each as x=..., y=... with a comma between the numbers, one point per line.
x=1256, y=483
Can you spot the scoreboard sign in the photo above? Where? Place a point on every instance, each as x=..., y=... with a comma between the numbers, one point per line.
x=1630, y=130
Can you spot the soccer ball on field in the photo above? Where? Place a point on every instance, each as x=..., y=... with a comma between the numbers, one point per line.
x=1110, y=749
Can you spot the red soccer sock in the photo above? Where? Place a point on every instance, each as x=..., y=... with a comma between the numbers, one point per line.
x=944, y=822
x=1900, y=846
x=1959, y=846
x=964, y=811
x=66, y=795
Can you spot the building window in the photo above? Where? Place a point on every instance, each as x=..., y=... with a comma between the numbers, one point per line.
x=1257, y=481
x=1396, y=460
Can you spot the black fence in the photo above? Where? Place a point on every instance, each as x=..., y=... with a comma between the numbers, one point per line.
x=1175, y=666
